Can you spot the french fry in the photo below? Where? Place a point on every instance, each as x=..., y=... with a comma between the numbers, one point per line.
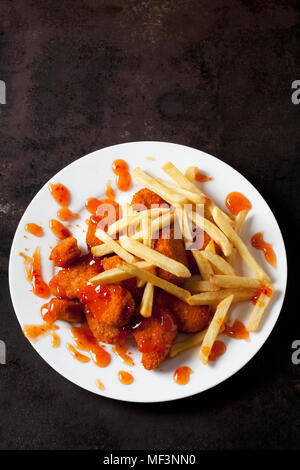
x=213, y=231
x=115, y=275
x=214, y=328
x=180, y=179
x=195, y=287
x=210, y=247
x=167, y=286
x=189, y=343
x=116, y=247
x=152, y=184
x=154, y=257
x=219, y=262
x=207, y=298
x=147, y=301
x=101, y=250
x=260, y=308
x=184, y=224
x=123, y=223
x=226, y=281
x=189, y=195
x=146, y=228
x=239, y=223
x=203, y=264
x=235, y=239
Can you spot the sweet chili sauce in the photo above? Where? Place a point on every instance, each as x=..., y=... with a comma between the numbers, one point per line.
x=55, y=340
x=120, y=350
x=120, y=168
x=34, y=229
x=217, y=350
x=91, y=205
x=76, y=354
x=237, y=330
x=236, y=202
x=266, y=290
x=182, y=375
x=59, y=230
x=201, y=177
x=125, y=378
x=34, y=331
x=34, y=275
x=99, y=384
x=85, y=341
x=65, y=214
x=258, y=242
x=60, y=193
x=109, y=192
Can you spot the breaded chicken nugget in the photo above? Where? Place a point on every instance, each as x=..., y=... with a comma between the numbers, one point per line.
x=65, y=252
x=146, y=197
x=111, y=262
x=111, y=303
x=190, y=318
x=69, y=282
x=102, y=331
x=155, y=337
x=61, y=309
x=173, y=248
x=111, y=213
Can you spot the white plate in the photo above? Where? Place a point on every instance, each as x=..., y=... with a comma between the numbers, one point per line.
x=86, y=178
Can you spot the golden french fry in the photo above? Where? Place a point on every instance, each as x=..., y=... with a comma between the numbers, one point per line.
x=214, y=328
x=210, y=247
x=239, y=223
x=180, y=179
x=213, y=231
x=115, y=275
x=156, y=281
x=146, y=228
x=191, y=196
x=125, y=222
x=188, y=343
x=245, y=254
x=152, y=184
x=203, y=264
x=147, y=301
x=260, y=308
x=227, y=281
x=154, y=257
x=207, y=298
x=184, y=223
x=219, y=262
x=101, y=250
x=195, y=287
x=116, y=247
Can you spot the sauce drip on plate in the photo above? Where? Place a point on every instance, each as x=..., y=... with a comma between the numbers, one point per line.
x=125, y=378
x=120, y=168
x=258, y=242
x=34, y=275
x=34, y=331
x=217, y=350
x=55, y=340
x=182, y=375
x=60, y=193
x=91, y=205
x=109, y=192
x=34, y=229
x=59, y=230
x=76, y=354
x=201, y=177
x=237, y=330
x=263, y=290
x=65, y=214
x=85, y=341
x=100, y=384
x=120, y=350
x=236, y=202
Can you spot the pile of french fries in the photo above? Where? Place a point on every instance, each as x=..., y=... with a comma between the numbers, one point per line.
x=219, y=285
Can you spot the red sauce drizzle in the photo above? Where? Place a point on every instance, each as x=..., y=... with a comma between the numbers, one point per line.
x=120, y=350
x=125, y=378
x=76, y=354
x=263, y=290
x=217, y=350
x=59, y=230
x=236, y=202
x=91, y=205
x=85, y=341
x=34, y=229
x=120, y=168
x=182, y=375
x=109, y=192
x=65, y=214
x=201, y=177
x=34, y=275
x=100, y=384
x=60, y=193
x=55, y=340
x=34, y=331
x=258, y=242
x=237, y=330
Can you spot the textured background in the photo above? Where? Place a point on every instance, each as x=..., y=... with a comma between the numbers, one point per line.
x=85, y=74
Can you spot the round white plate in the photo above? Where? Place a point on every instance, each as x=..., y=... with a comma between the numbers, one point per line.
x=86, y=178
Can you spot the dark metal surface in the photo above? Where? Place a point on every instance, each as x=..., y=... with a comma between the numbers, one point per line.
x=215, y=75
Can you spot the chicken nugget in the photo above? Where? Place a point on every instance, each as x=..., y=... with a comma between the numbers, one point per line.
x=109, y=214
x=69, y=282
x=173, y=248
x=61, y=309
x=102, y=331
x=65, y=252
x=145, y=199
x=111, y=262
x=155, y=336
